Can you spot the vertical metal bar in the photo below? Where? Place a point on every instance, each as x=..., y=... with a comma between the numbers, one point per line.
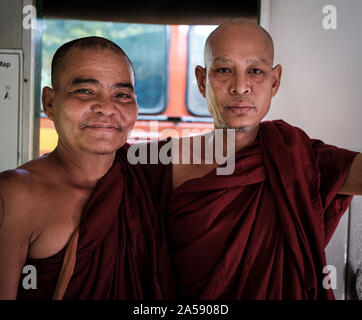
x=354, y=255
x=29, y=124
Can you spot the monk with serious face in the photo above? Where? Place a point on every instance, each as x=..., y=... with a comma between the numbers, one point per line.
x=261, y=231
x=238, y=80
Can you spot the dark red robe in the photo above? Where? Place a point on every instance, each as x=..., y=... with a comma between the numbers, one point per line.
x=261, y=232
x=122, y=251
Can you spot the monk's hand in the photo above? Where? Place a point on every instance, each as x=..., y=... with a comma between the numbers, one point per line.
x=353, y=183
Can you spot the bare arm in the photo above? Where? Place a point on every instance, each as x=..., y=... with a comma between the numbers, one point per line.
x=353, y=183
x=14, y=241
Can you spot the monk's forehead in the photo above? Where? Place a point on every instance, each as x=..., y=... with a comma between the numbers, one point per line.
x=75, y=56
x=78, y=59
x=235, y=37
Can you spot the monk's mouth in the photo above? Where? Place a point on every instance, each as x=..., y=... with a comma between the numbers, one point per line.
x=103, y=127
x=240, y=110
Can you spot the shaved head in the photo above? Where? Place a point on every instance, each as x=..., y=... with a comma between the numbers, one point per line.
x=93, y=43
x=241, y=28
x=238, y=79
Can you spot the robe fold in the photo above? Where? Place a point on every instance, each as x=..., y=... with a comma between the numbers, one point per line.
x=261, y=232
x=122, y=251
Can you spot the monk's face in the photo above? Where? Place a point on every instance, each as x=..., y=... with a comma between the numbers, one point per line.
x=94, y=106
x=239, y=80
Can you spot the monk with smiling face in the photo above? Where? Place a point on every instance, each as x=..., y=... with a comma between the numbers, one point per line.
x=80, y=210
x=260, y=232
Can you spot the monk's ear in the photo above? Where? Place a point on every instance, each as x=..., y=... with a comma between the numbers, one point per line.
x=47, y=99
x=277, y=75
x=200, y=74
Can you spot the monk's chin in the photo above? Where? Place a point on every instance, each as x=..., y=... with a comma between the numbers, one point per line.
x=104, y=145
x=103, y=149
x=241, y=129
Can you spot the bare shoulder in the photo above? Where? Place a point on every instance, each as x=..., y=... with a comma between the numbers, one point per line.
x=13, y=196
x=17, y=189
x=23, y=175
x=13, y=180
x=16, y=181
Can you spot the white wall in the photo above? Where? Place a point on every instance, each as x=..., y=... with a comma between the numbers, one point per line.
x=321, y=92
x=321, y=88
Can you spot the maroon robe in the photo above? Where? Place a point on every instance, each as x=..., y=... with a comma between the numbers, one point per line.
x=261, y=232
x=122, y=251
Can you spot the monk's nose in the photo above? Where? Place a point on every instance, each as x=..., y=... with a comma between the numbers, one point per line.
x=240, y=85
x=104, y=106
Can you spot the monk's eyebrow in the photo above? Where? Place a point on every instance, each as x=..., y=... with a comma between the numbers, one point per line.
x=222, y=59
x=261, y=60
x=78, y=80
x=123, y=85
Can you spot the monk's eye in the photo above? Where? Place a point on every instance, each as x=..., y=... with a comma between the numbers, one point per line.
x=84, y=91
x=255, y=71
x=122, y=95
x=223, y=70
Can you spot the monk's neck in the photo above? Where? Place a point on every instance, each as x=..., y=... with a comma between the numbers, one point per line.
x=81, y=169
x=242, y=139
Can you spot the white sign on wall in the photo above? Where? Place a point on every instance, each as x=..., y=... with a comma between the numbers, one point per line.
x=11, y=71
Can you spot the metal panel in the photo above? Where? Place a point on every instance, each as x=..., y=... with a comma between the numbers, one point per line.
x=354, y=259
x=337, y=256
x=18, y=124
x=10, y=24
x=10, y=38
x=11, y=67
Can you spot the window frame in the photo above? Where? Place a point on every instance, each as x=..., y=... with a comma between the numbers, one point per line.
x=161, y=108
x=192, y=112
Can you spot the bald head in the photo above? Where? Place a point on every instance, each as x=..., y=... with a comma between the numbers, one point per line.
x=94, y=43
x=238, y=80
x=238, y=29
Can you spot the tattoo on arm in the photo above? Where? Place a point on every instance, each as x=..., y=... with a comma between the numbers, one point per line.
x=2, y=210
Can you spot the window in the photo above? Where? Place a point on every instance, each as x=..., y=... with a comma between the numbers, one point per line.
x=145, y=44
x=197, y=37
